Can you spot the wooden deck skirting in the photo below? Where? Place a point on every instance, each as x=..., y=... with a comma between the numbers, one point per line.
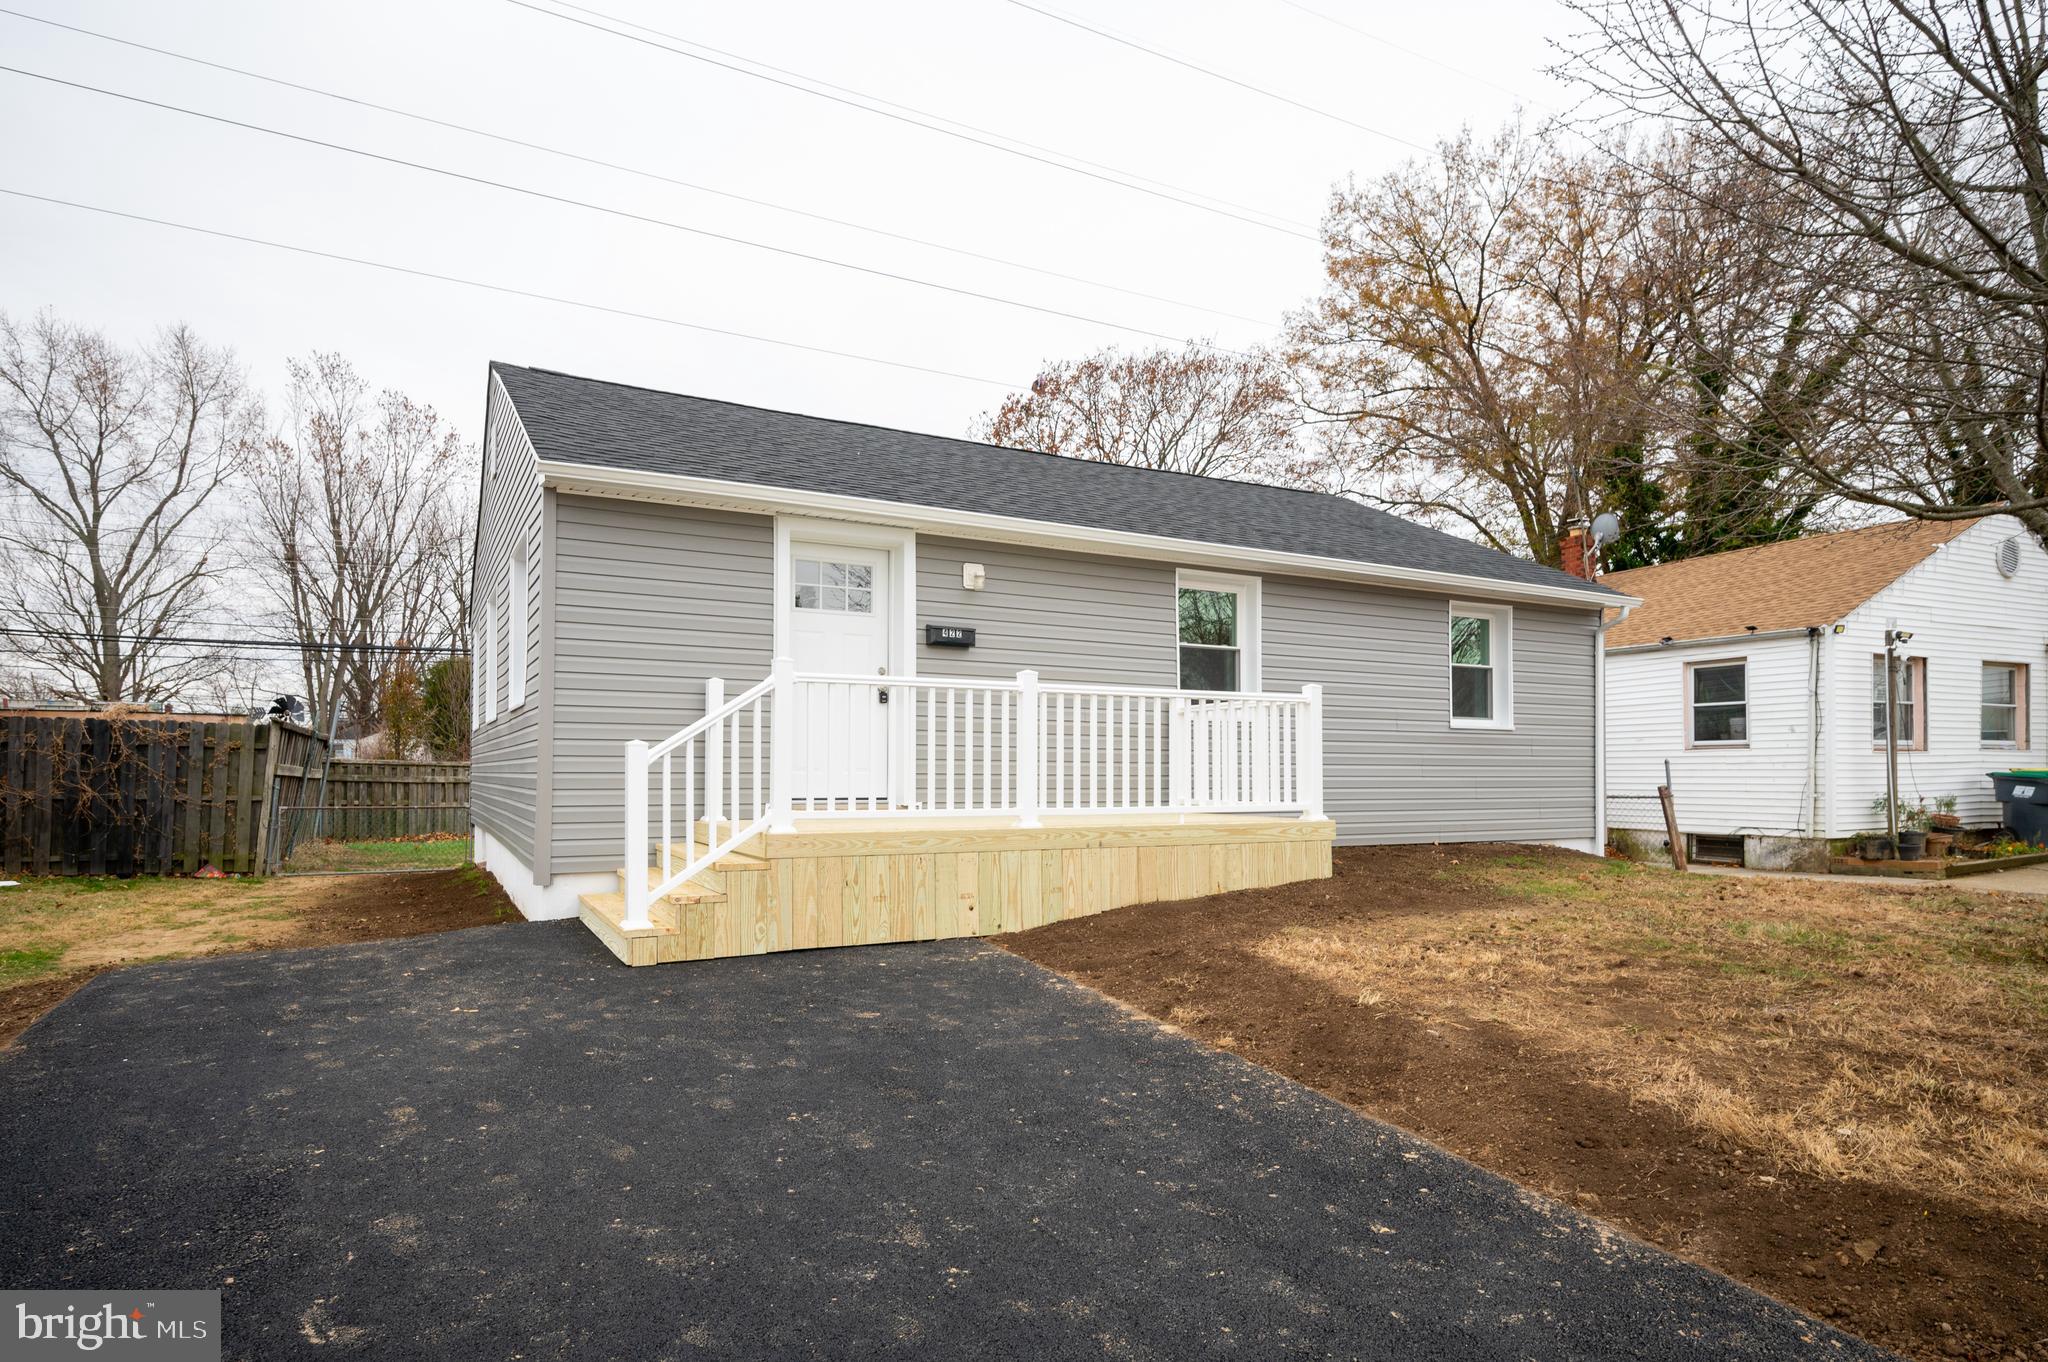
x=864, y=883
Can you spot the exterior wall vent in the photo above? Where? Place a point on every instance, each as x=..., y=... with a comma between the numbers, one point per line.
x=2009, y=557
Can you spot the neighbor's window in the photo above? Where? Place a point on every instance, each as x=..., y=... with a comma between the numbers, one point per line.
x=848, y=588
x=1912, y=713
x=1479, y=665
x=2004, y=714
x=1210, y=650
x=1720, y=702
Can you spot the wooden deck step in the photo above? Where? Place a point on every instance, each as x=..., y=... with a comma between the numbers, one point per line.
x=603, y=914
x=741, y=860
x=690, y=891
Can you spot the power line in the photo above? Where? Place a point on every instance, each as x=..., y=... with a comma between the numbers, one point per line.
x=648, y=219
x=1416, y=53
x=515, y=292
x=289, y=645
x=1073, y=164
x=1214, y=74
x=637, y=170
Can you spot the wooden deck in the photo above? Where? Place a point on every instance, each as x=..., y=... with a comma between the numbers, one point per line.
x=864, y=882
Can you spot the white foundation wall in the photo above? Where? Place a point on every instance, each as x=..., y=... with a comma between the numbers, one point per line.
x=535, y=901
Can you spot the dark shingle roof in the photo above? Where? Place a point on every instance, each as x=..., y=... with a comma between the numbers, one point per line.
x=614, y=425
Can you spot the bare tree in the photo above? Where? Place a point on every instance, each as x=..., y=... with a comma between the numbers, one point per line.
x=109, y=459
x=1199, y=411
x=1910, y=133
x=358, y=532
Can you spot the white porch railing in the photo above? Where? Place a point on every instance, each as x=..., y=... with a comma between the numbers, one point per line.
x=876, y=746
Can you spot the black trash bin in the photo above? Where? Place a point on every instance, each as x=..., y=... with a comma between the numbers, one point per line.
x=2025, y=797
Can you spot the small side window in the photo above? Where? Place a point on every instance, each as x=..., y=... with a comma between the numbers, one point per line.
x=1482, y=675
x=1720, y=704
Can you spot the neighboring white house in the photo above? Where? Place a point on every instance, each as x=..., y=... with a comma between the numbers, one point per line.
x=1757, y=675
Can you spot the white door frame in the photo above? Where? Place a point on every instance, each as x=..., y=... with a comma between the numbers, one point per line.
x=901, y=629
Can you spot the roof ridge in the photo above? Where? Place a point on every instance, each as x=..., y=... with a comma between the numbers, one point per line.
x=1721, y=555
x=955, y=439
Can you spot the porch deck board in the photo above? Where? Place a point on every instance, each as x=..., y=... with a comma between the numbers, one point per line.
x=847, y=882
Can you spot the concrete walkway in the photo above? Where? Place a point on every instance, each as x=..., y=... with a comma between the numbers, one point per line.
x=500, y=1143
x=2027, y=879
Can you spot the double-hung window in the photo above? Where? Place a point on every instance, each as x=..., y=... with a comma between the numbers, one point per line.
x=1718, y=708
x=2002, y=720
x=1218, y=632
x=1481, y=650
x=1912, y=686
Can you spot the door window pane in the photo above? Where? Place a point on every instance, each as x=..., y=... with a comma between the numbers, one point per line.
x=845, y=588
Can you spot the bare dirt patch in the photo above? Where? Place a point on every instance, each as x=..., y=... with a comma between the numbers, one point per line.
x=57, y=933
x=1837, y=1093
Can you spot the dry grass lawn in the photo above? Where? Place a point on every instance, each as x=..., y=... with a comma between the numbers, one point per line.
x=1898, y=1035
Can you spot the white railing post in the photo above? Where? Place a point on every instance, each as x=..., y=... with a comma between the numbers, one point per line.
x=1312, y=753
x=714, y=762
x=781, y=747
x=1180, y=755
x=1028, y=750
x=636, y=836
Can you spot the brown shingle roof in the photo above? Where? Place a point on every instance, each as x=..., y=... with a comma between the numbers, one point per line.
x=1798, y=584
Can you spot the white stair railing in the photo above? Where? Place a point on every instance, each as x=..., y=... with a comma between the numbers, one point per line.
x=874, y=746
x=715, y=773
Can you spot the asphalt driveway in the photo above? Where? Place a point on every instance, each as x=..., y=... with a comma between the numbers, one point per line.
x=499, y=1143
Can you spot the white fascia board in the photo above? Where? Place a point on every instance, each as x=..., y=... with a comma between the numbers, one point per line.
x=1720, y=641
x=590, y=480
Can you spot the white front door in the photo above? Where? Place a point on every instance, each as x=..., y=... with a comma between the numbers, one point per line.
x=839, y=626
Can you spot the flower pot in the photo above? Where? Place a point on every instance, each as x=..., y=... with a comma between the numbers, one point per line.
x=1947, y=822
x=1877, y=847
x=1938, y=844
x=1912, y=844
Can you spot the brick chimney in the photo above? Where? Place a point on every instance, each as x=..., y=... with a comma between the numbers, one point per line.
x=1575, y=552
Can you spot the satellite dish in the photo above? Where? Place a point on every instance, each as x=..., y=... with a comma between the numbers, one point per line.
x=1606, y=528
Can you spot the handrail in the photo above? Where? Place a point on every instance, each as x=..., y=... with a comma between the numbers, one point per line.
x=725, y=711
x=1048, y=687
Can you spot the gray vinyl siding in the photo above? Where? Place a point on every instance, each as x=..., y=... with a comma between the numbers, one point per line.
x=1394, y=768
x=505, y=752
x=649, y=601
x=1074, y=617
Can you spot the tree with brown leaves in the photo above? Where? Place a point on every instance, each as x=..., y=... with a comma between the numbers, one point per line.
x=1201, y=410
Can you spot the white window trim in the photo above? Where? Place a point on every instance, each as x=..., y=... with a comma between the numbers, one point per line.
x=516, y=611
x=1249, y=622
x=490, y=656
x=1503, y=618
x=901, y=545
x=1715, y=744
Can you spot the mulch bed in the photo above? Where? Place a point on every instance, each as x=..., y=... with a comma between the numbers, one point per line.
x=1924, y=1276
x=343, y=910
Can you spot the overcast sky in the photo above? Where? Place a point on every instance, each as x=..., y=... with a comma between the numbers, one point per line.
x=515, y=72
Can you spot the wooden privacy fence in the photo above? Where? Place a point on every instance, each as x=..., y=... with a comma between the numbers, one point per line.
x=370, y=800
x=128, y=794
